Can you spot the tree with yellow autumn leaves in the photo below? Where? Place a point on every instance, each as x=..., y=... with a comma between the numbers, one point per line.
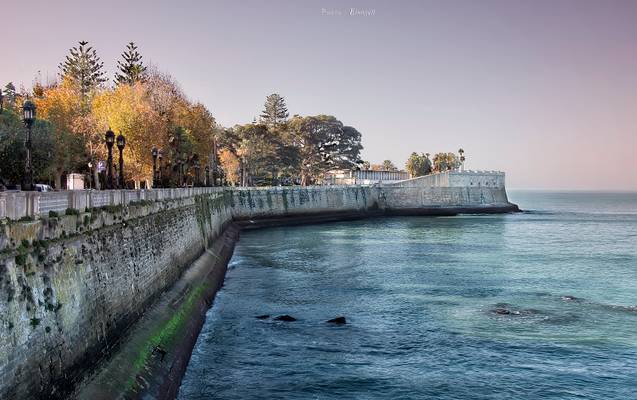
x=150, y=110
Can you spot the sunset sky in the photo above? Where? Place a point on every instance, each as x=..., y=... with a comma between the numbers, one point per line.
x=544, y=90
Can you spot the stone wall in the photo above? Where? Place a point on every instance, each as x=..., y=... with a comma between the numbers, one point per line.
x=71, y=285
x=461, y=179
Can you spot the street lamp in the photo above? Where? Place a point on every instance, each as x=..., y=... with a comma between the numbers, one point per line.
x=160, y=155
x=175, y=143
x=90, y=175
x=180, y=171
x=121, y=143
x=461, y=152
x=109, y=138
x=28, y=116
x=154, y=152
x=197, y=167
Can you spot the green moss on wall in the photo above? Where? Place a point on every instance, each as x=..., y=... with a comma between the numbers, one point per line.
x=268, y=197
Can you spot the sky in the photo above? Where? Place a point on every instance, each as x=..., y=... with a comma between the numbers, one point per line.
x=543, y=90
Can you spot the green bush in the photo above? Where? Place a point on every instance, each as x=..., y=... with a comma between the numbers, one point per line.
x=53, y=214
x=72, y=211
x=21, y=259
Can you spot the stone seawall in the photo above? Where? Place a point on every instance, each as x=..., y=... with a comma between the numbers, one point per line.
x=72, y=287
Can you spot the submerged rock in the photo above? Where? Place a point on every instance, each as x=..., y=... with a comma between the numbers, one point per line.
x=285, y=318
x=337, y=320
x=502, y=311
x=570, y=298
x=264, y=316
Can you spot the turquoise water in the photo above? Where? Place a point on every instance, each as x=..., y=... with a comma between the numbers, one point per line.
x=420, y=295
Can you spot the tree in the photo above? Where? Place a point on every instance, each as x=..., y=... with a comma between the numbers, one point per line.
x=61, y=105
x=428, y=164
x=415, y=165
x=10, y=95
x=256, y=152
x=201, y=126
x=389, y=166
x=127, y=110
x=275, y=111
x=323, y=143
x=418, y=165
x=84, y=68
x=13, y=152
x=131, y=69
x=230, y=165
x=445, y=162
x=365, y=165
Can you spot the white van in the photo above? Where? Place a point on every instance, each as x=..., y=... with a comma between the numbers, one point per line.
x=40, y=187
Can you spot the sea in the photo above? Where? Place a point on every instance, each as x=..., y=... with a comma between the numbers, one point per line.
x=540, y=304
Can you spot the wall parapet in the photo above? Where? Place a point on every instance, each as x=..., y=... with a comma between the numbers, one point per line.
x=15, y=204
x=72, y=284
x=494, y=179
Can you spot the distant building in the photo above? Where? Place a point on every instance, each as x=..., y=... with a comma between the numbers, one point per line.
x=363, y=177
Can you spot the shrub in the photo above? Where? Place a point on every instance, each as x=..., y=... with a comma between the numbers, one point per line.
x=72, y=211
x=53, y=214
x=21, y=259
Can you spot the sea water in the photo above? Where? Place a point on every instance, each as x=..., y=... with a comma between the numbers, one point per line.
x=534, y=305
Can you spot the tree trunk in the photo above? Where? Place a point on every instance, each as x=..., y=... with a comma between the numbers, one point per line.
x=58, y=180
x=96, y=179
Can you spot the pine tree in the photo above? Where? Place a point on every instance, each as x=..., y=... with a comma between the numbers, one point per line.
x=84, y=67
x=275, y=111
x=131, y=69
x=389, y=166
x=9, y=95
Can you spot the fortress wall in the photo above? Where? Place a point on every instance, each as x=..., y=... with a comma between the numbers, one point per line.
x=71, y=286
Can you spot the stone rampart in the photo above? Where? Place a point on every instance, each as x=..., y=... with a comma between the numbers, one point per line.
x=73, y=283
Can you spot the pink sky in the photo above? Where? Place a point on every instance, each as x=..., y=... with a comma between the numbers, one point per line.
x=544, y=90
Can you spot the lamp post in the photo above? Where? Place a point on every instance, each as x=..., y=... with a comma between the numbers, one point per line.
x=461, y=152
x=28, y=116
x=207, y=171
x=90, y=175
x=180, y=172
x=214, y=161
x=121, y=143
x=197, y=168
x=175, y=142
x=154, y=152
x=160, y=178
x=109, y=138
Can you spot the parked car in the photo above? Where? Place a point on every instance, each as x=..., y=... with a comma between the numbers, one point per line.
x=41, y=187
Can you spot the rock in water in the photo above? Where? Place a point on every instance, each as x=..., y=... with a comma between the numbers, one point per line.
x=285, y=318
x=569, y=298
x=502, y=311
x=264, y=316
x=337, y=320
